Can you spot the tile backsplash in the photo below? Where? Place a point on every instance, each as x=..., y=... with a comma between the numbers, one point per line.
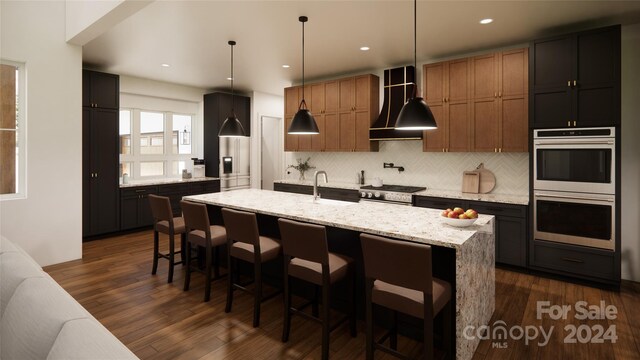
x=442, y=171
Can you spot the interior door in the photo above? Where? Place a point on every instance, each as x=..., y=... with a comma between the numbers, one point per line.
x=105, y=135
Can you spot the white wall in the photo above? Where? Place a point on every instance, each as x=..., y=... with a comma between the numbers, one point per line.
x=262, y=104
x=630, y=152
x=48, y=223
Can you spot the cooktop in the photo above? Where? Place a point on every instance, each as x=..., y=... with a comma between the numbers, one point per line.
x=394, y=188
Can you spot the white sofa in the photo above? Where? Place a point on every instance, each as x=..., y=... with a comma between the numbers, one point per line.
x=40, y=320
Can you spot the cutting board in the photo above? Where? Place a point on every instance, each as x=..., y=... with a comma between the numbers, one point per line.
x=470, y=182
x=487, y=179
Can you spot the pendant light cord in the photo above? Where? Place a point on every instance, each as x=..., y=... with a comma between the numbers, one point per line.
x=232, y=108
x=415, y=47
x=305, y=104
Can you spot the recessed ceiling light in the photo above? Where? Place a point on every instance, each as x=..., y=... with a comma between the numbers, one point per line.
x=286, y=66
x=165, y=65
x=229, y=79
x=364, y=48
x=486, y=21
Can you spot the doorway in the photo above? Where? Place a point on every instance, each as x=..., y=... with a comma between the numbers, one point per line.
x=272, y=151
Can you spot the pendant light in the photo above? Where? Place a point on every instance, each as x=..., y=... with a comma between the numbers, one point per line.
x=303, y=122
x=415, y=114
x=231, y=127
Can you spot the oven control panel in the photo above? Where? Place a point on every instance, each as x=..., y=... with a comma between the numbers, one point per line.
x=386, y=196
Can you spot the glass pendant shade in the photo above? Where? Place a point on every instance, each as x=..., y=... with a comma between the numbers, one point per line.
x=415, y=115
x=231, y=127
x=303, y=124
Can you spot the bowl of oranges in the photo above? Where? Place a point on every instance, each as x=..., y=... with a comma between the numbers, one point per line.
x=458, y=217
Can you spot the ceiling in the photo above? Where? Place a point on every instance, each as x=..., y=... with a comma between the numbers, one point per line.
x=192, y=36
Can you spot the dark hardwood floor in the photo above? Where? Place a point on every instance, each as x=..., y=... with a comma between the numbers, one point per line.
x=157, y=320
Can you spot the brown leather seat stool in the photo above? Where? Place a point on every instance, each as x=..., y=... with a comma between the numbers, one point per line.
x=398, y=276
x=164, y=222
x=307, y=257
x=201, y=233
x=246, y=243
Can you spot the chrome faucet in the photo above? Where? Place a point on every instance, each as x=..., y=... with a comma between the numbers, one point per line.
x=315, y=182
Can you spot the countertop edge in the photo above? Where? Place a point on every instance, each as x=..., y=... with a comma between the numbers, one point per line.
x=166, y=182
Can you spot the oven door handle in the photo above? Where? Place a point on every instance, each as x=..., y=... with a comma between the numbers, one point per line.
x=572, y=197
x=569, y=142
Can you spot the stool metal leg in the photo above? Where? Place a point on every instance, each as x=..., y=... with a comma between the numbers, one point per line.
x=172, y=253
x=326, y=311
x=286, y=326
x=187, y=276
x=230, y=280
x=207, y=285
x=393, y=334
x=258, y=293
x=369, y=318
x=154, y=269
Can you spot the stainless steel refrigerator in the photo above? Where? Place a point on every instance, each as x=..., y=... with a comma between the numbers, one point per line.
x=235, y=163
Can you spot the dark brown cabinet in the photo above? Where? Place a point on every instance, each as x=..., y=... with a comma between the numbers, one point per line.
x=575, y=79
x=100, y=162
x=135, y=211
x=100, y=90
x=510, y=225
x=217, y=107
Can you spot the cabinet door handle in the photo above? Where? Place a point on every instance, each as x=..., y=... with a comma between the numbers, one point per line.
x=96, y=174
x=499, y=94
x=575, y=83
x=579, y=261
x=569, y=83
x=442, y=99
x=495, y=149
x=495, y=94
x=499, y=149
x=568, y=123
x=574, y=123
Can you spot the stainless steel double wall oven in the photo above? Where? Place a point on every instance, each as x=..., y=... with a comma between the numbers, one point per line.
x=574, y=186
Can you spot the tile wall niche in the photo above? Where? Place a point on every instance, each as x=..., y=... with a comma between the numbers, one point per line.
x=442, y=171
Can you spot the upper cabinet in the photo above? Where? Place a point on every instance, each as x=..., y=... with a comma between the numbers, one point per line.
x=100, y=90
x=575, y=80
x=447, y=93
x=344, y=110
x=480, y=103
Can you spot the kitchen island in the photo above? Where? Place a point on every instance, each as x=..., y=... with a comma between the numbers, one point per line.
x=464, y=257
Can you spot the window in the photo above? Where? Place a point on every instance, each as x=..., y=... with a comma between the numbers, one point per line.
x=154, y=144
x=12, y=130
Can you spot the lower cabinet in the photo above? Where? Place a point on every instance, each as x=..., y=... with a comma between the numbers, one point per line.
x=572, y=260
x=510, y=225
x=135, y=211
x=325, y=192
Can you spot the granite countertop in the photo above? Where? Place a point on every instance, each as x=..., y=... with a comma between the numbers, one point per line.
x=497, y=198
x=401, y=222
x=133, y=183
x=450, y=194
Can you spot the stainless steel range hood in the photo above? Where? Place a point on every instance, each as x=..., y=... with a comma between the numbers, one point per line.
x=399, y=84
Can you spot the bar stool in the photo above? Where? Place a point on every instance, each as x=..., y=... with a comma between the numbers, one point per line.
x=164, y=222
x=307, y=257
x=410, y=289
x=246, y=243
x=201, y=233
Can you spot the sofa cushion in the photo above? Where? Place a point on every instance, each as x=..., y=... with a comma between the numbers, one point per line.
x=33, y=318
x=87, y=339
x=7, y=246
x=14, y=269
